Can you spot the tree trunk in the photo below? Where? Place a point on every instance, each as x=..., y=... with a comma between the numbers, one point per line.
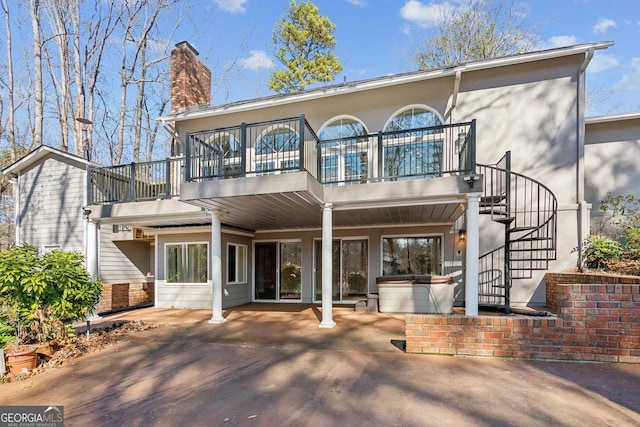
x=37, y=65
x=11, y=128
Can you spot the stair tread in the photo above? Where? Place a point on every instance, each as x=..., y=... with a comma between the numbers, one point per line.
x=490, y=295
x=493, y=199
x=523, y=228
x=505, y=220
x=531, y=239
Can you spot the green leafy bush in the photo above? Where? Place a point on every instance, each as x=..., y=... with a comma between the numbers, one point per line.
x=599, y=250
x=45, y=292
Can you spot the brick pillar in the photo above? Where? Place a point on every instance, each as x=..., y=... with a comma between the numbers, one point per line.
x=190, y=78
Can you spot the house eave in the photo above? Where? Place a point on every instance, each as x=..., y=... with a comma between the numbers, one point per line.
x=38, y=154
x=387, y=81
x=612, y=118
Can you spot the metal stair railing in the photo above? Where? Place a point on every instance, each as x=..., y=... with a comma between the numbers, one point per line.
x=528, y=210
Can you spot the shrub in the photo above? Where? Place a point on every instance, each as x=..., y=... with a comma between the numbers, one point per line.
x=631, y=242
x=45, y=292
x=599, y=250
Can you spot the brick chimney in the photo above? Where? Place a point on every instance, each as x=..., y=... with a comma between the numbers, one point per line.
x=190, y=78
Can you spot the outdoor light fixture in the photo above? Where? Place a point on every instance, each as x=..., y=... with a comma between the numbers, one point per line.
x=471, y=179
x=462, y=234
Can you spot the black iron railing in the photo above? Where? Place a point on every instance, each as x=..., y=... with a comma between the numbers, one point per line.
x=528, y=210
x=266, y=148
x=291, y=145
x=159, y=179
x=406, y=154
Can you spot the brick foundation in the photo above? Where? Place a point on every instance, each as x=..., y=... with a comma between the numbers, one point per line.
x=122, y=295
x=598, y=319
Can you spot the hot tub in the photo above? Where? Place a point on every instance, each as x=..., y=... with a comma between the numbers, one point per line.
x=428, y=294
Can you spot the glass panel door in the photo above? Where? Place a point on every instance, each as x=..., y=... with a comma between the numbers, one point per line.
x=350, y=270
x=335, y=257
x=266, y=270
x=355, y=269
x=290, y=270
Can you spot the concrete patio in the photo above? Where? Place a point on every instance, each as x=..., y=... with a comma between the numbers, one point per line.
x=271, y=365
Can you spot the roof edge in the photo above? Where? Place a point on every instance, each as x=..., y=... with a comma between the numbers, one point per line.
x=612, y=118
x=38, y=154
x=390, y=80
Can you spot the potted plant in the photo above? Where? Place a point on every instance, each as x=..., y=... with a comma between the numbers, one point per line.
x=42, y=295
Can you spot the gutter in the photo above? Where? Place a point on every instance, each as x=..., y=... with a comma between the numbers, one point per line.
x=387, y=81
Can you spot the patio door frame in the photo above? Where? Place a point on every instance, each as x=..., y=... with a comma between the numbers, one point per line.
x=317, y=251
x=276, y=270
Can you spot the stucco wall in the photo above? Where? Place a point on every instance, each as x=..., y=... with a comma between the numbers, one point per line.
x=612, y=161
x=530, y=109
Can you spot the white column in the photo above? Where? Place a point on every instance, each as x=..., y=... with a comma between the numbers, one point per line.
x=327, y=263
x=91, y=250
x=216, y=268
x=472, y=254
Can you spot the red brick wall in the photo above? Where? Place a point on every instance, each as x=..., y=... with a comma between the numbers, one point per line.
x=190, y=78
x=122, y=295
x=595, y=322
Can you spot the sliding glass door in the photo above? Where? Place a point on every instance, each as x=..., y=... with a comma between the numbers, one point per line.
x=278, y=271
x=349, y=281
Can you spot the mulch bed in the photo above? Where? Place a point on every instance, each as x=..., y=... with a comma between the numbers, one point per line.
x=99, y=338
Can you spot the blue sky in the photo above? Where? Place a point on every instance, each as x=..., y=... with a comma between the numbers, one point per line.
x=374, y=38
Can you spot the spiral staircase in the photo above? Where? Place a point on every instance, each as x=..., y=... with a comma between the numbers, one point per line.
x=528, y=211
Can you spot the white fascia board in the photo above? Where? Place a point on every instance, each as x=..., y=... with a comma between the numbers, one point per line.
x=612, y=118
x=38, y=154
x=387, y=81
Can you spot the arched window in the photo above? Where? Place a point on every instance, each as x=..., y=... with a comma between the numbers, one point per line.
x=277, y=149
x=413, y=144
x=216, y=155
x=225, y=159
x=344, y=151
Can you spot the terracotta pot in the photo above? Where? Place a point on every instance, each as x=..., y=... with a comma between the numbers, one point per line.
x=17, y=361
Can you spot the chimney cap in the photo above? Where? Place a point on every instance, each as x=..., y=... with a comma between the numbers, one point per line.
x=186, y=45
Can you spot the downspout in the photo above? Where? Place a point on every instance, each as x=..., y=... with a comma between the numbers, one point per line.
x=580, y=136
x=16, y=207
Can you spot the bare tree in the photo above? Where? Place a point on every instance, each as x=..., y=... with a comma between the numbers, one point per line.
x=38, y=107
x=10, y=126
x=475, y=31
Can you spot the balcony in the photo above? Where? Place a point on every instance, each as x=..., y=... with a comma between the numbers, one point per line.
x=288, y=146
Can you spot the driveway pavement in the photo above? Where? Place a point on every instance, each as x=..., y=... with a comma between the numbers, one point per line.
x=270, y=365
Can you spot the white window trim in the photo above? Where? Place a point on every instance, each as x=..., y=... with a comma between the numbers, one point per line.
x=418, y=235
x=244, y=266
x=183, y=284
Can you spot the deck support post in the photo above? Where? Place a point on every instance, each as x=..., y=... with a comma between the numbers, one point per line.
x=472, y=254
x=216, y=268
x=92, y=250
x=327, y=263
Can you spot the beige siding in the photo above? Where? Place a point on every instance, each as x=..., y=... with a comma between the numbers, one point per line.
x=50, y=204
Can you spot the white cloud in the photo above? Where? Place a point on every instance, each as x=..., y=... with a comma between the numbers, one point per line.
x=560, y=41
x=602, y=62
x=631, y=81
x=603, y=25
x=232, y=6
x=257, y=60
x=357, y=2
x=422, y=14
